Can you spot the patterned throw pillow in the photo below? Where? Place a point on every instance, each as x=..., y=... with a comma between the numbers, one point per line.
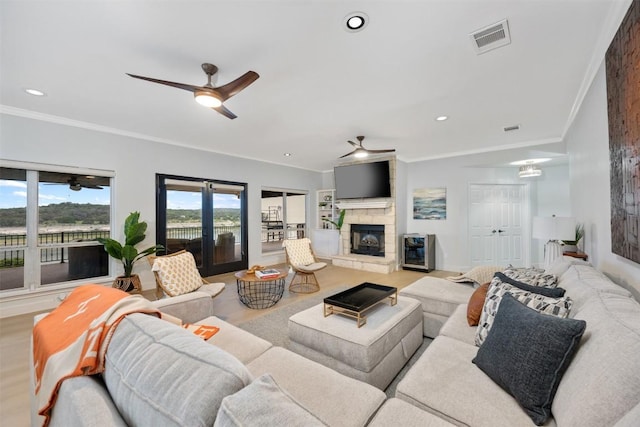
x=532, y=276
x=559, y=307
x=178, y=274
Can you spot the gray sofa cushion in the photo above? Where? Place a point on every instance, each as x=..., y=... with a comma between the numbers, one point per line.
x=238, y=342
x=603, y=381
x=438, y=296
x=85, y=402
x=335, y=399
x=443, y=381
x=526, y=353
x=264, y=403
x=396, y=412
x=583, y=281
x=160, y=374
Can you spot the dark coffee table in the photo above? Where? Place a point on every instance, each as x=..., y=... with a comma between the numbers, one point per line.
x=355, y=301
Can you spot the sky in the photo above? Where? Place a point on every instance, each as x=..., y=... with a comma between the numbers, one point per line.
x=13, y=194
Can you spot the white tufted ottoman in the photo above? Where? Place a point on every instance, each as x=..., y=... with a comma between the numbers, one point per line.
x=374, y=353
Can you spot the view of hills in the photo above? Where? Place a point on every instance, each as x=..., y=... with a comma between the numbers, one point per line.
x=90, y=214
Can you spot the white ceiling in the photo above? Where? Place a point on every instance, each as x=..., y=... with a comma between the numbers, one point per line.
x=319, y=85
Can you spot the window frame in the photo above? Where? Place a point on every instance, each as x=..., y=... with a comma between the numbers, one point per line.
x=32, y=278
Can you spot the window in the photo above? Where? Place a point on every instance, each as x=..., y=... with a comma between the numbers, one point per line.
x=49, y=220
x=284, y=214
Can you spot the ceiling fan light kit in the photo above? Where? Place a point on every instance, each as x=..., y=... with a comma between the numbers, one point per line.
x=206, y=99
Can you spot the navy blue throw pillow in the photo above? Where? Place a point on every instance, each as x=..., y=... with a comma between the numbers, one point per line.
x=527, y=353
x=547, y=292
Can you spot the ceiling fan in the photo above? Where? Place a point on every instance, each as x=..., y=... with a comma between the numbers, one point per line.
x=76, y=185
x=208, y=95
x=360, y=151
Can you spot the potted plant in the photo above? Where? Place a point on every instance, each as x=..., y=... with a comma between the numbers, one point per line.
x=572, y=245
x=134, y=233
x=336, y=236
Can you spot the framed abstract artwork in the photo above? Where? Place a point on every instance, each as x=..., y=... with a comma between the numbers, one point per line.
x=430, y=203
x=623, y=105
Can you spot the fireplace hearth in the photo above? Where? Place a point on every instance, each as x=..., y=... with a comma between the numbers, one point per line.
x=367, y=239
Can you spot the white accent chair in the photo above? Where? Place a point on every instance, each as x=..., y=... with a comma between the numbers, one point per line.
x=301, y=258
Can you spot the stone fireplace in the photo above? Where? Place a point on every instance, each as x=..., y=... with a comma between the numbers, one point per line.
x=367, y=239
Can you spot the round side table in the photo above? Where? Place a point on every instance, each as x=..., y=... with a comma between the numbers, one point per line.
x=255, y=292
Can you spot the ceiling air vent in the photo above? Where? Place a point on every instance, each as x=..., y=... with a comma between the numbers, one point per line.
x=511, y=128
x=491, y=37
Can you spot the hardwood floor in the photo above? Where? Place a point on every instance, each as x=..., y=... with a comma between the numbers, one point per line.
x=15, y=331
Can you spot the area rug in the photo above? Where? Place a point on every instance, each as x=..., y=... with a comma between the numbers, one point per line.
x=273, y=327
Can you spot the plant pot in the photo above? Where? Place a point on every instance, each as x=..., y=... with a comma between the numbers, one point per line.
x=570, y=248
x=129, y=284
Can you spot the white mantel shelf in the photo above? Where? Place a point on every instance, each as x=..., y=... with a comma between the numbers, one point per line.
x=363, y=204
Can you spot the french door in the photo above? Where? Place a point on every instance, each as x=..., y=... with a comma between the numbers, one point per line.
x=205, y=217
x=496, y=217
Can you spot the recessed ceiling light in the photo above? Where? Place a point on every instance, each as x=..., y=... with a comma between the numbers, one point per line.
x=355, y=21
x=529, y=161
x=442, y=118
x=34, y=92
x=287, y=154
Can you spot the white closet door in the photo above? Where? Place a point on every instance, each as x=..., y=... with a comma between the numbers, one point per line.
x=496, y=216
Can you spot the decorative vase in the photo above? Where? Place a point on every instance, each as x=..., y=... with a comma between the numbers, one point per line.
x=131, y=284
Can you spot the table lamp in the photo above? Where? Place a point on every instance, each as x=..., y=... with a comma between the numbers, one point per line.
x=553, y=229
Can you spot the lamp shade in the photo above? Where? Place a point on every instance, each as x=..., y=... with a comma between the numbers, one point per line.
x=554, y=228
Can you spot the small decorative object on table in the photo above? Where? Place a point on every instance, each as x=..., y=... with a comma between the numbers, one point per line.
x=268, y=273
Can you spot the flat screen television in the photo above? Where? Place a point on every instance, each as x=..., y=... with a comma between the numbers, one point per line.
x=362, y=180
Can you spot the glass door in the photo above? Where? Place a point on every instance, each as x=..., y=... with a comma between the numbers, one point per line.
x=206, y=218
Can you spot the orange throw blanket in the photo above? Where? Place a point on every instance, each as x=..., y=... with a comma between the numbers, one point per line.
x=72, y=339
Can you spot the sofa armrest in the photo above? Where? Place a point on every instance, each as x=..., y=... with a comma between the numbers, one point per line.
x=190, y=307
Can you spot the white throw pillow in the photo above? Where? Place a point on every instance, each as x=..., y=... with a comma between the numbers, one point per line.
x=178, y=274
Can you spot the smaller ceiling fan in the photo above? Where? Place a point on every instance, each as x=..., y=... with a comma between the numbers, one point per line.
x=360, y=151
x=208, y=95
x=76, y=185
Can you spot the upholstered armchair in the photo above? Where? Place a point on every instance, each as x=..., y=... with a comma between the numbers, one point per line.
x=302, y=259
x=177, y=274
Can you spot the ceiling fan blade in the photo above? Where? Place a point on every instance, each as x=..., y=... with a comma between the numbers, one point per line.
x=381, y=151
x=348, y=154
x=355, y=144
x=231, y=88
x=224, y=111
x=190, y=88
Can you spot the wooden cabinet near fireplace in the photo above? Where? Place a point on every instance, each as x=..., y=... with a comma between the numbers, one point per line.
x=419, y=252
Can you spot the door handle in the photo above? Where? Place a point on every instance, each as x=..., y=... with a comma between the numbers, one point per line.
x=500, y=231
x=493, y=231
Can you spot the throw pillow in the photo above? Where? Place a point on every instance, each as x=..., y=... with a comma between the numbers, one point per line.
x=497, y=290
x=532, y=277
x=264, y=403
x=527, y=353
x=178, y=274
x=476, y=302
x=547, y=292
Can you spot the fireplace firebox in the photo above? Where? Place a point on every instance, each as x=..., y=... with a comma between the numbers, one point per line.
x=367, y=239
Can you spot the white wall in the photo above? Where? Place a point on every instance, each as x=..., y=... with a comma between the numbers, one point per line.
x=588, y=148
x=136, y=163
x=548, y=194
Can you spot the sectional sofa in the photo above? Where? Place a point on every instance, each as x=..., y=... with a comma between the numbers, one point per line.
x=159, y=374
